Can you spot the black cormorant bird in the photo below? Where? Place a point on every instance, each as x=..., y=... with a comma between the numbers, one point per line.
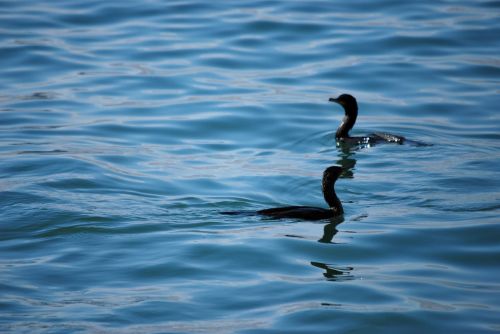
x=348, y=102
x=330, y=175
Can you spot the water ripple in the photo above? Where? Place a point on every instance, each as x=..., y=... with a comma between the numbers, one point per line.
x=126, y=128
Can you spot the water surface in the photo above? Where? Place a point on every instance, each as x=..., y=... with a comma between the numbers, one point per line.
x=126, y=128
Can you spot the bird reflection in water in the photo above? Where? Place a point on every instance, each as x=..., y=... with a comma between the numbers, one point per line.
x=334, y=274
x=347, y=161
x=330, y=230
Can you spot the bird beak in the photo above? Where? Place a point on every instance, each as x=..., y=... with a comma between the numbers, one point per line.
x=332, y=99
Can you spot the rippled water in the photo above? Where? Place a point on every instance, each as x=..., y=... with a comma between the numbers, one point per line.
x=127, y=127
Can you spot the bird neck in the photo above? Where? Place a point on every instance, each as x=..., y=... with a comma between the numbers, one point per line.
x=347, y=123
x=331, y=197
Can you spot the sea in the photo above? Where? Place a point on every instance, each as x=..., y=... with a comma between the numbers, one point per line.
x=128, y=127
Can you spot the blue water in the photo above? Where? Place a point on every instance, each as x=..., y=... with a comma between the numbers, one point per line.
x=127, y=127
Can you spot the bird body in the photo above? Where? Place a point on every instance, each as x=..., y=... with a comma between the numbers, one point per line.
x=330, y=175
x=350, y=105
x=299, y=212
x=335, y=209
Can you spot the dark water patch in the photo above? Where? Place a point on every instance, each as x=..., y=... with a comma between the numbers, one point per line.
x=424, y=45
x=103, y=14
x=249, y=42
x=29, y=21
x=33, y=167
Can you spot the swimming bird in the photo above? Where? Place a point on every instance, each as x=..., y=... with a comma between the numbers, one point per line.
x=330, y=175
x=348, y=102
